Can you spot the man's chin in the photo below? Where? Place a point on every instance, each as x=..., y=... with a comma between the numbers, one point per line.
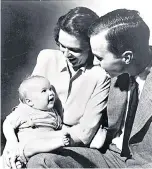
x=108, y=73
x=112, y=75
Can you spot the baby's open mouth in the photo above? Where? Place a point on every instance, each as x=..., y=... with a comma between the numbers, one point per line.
x=51, y=98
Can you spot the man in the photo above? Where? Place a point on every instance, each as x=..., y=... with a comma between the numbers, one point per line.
x=123, y=50
x=119, y=40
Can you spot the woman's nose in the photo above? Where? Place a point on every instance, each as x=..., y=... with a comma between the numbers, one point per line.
x=63, y=48
x=66, y=52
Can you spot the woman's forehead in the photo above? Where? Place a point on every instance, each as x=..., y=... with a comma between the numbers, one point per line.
x=71, y=41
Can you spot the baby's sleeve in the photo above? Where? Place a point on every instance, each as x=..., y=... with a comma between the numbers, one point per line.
x=16, y=117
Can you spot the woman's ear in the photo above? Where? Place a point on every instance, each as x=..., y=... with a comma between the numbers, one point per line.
x=29, y=102
x=127, y=57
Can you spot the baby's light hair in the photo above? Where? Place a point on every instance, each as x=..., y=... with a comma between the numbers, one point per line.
x=23, y=87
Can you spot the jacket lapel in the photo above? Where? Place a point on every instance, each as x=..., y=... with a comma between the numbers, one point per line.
x=144, y=109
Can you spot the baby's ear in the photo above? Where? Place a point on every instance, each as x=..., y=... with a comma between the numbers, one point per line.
x=29, y=102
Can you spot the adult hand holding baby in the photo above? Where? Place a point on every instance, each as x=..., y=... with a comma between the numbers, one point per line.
x=12, y=158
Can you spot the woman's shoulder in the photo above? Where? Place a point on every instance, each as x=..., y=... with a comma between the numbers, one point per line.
x=98, y=72
x=49, y=54
x=49, y=61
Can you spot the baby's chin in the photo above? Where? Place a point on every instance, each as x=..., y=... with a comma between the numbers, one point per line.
x=50, y=106
x=47, y=108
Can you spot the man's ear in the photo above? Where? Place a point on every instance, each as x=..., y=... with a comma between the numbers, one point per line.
x=29, y=102
x=127, y=57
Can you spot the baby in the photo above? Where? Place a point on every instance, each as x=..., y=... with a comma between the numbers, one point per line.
x=20, y=127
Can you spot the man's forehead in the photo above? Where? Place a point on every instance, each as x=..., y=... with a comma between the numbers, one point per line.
x=99, y=42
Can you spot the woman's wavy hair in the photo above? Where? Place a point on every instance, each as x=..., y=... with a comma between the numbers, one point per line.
x=76, y=22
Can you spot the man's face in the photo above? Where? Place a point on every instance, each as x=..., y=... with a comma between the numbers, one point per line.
x=74, y=49
x=113, y=65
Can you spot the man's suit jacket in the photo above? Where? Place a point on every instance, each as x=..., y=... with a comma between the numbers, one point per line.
x=140, y=142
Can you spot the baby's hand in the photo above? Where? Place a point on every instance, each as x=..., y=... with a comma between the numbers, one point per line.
x=66, y=138
x=18, y=165
x=12, y=155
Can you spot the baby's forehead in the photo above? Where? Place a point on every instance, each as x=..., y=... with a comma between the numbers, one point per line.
x=38, y=79
x=36, y=83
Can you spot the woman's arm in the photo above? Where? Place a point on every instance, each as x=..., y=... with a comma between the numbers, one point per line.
x=90, y=121
x=11, y=147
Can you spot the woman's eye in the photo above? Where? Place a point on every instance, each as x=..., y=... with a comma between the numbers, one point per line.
x=75, y=50
x=61, y=46
x=43, y=90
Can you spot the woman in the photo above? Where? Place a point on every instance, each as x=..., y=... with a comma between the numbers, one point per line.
x=80, y=87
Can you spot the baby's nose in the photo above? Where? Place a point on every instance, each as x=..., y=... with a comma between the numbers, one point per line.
x=50, y=92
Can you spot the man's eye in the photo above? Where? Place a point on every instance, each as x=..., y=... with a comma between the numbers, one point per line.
x=44, y=90
x=62, y=46
x=50, y=89
x=99, y=58
x=58, y=44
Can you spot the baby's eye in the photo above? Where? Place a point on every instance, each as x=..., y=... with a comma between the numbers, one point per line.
x=44, y=90
x=50, y=89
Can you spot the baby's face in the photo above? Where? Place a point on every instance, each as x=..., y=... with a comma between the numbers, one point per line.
x=41, y=94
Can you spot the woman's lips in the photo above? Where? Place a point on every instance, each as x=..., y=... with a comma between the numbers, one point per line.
x=72, y=60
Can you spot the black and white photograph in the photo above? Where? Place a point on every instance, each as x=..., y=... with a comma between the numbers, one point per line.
x=76, y=84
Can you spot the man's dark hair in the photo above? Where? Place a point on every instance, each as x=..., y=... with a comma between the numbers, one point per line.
x=76, y=22
x=126, y=30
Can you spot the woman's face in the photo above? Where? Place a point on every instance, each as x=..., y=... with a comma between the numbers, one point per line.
x=74, y=49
